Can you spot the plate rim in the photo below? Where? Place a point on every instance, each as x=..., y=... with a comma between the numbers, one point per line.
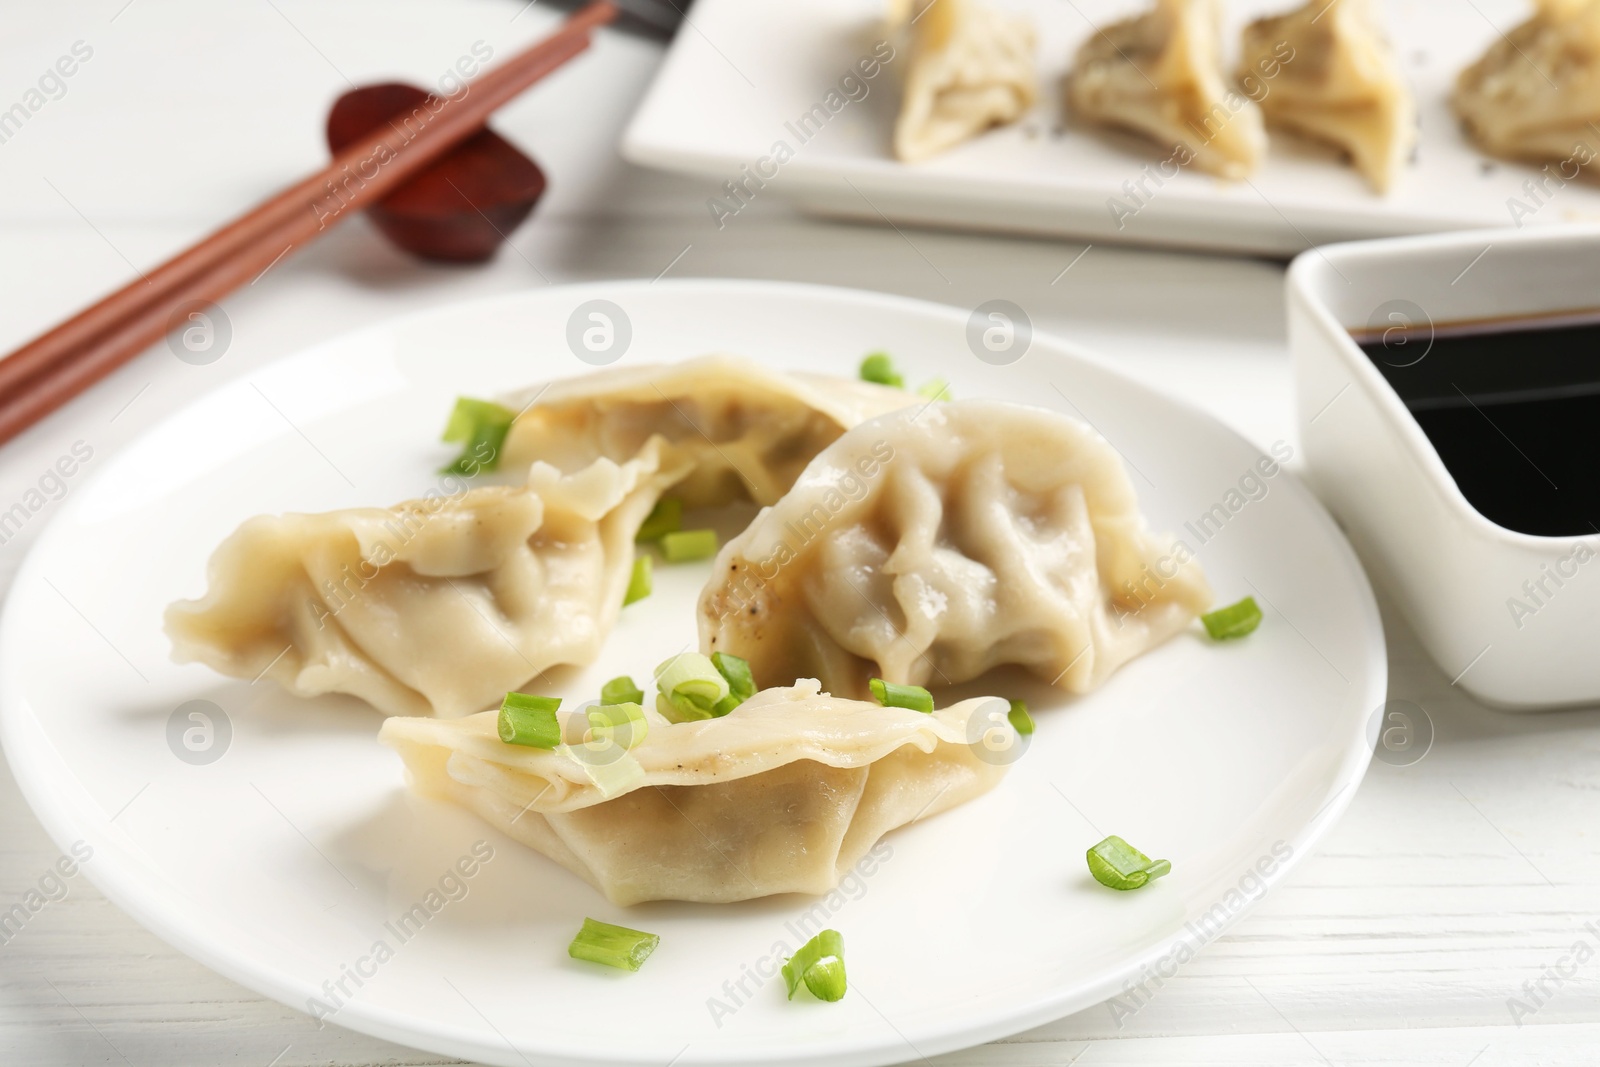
x=123, y=886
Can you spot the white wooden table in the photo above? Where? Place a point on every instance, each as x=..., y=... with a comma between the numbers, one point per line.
x=1451, y=887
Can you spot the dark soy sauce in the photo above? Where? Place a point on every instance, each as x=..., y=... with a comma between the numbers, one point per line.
x=1513, y=408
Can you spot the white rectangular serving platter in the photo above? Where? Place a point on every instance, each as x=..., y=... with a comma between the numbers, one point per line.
x=742, y=72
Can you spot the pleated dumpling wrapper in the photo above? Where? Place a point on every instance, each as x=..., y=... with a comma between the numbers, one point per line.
x=747, y=430
x=441, y=605
x=437, y=606
x=784, y=794
x=970, y=66
x=1535, y=94
x=1335, y=78
x=1160, y=74
x=928, y=546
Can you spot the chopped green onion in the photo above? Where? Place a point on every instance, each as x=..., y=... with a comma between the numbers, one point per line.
x=1235, y=620
x=621, y=690
x=480, y=426
x=1117, y=864
x=690, y=687
x=614, y=946
x=737, y=671
x=638, y=581
x=530, y=720
x=666, y=517
x=934, y=389
x=725, y=705
x=622, y=723
x=690, y=672
x=901, y=696
x=682, y=546
x=820, y=965
x=686, y=710
x=1021, y=721
x=878, y=367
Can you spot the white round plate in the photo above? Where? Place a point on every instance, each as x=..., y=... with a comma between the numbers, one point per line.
x=296, y=864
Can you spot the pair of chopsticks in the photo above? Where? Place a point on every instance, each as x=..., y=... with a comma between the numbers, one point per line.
x=53, y=368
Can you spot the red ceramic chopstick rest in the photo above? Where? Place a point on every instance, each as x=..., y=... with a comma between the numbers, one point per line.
x=464, y=205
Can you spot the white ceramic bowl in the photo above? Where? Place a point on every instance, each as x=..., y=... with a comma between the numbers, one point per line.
x=1510, y=617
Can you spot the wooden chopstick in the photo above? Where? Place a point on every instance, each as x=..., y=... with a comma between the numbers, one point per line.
x=48, y=371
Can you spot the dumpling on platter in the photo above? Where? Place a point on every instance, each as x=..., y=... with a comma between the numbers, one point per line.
x=746, y=430
x=926, y=547
x=442, y=605
x=437, y=606
x=969, y=67
x=783, y=794
x=1334, y=77
x=1160, y=74
x=1535, y=94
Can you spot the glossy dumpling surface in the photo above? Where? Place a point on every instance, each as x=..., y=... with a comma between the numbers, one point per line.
x=782, y=795
x=930, y=545
x=1160, y=74
x=437, y=606
x=1334, y=77
x=970, y=67
x=745, y=430
x=1535, y=94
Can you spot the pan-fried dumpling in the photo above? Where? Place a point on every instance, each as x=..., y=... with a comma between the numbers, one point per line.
x=1535, y=94
x=784, y=794
x=746, y=430
x=436, y=606
x=1160, y=74
x=970, y=67
x=926, y=548
x=1343, y=84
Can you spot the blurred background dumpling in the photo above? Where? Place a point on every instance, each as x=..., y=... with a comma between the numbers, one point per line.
x=1326, y=70
x=1160, y=74
x=971, y=67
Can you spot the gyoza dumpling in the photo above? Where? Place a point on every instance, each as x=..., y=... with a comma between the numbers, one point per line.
x=1160, y=74
x=1330, y=73
x=1535, y=94
x=746, y=430
x=969, y=67
x=437, y=606
x=783, y=794
x=498, y=583
x=926, y=548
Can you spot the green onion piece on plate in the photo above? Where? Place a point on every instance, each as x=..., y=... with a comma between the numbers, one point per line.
x=1235, y=620
x=1021, y=721
x=934, y=389
x=638, y=581
x=530, y=721
x=683, y=546
x=690, y=687
x=686, y=710
x=737, y=671
x=878, y=367
x=480, y=427
x=820, y=965
x=614, y=946
x=666, y=517
x=622, y=723
x=1119, y=865
x=901, y=696
x=621, y=690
